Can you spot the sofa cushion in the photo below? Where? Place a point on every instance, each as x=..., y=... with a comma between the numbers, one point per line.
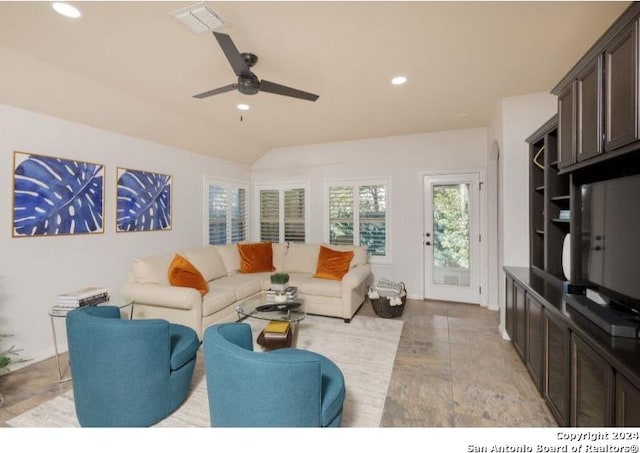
x=321, y=287
x=152, y=270
x=217, y=299
x=301, y=258
x=244, y=285
x=256, y=257
x=182, y=273
x=359, y=253
x=230, y=257
x=332, y=264
x=295, y=279
x=207, y=260
x=279, y=252
x=298, y=278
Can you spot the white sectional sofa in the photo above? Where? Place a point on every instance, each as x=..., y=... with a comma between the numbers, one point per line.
x=154, y=297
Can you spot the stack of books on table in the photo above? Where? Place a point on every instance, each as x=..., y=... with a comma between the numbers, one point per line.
x=276, y=330
x=91, y=295
x=292, y=292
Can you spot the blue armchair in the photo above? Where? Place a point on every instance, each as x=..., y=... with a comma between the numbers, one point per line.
x=127, y=372
x=283, y=388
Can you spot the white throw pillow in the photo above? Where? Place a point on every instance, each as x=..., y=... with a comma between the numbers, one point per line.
x=153, y=269
x=301, y=258
x=207, y=260
x=230, y=257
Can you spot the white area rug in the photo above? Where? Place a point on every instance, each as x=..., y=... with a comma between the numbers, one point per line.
x=364, y=350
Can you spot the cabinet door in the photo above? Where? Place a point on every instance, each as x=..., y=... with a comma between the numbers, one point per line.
x=557, y=367
x=535, y=341
x=592, y=387
x=627, y=403
x=509, y=308
x=621, y=92
x=589, y=107
x=520, y=321
x=567, y=127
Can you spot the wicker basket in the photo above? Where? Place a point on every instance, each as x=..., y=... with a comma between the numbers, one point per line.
x=383, y=308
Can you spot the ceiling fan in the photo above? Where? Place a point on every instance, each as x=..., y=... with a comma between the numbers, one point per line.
x=248, y=82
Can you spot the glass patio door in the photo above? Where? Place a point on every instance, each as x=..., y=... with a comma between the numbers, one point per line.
x=451, y=237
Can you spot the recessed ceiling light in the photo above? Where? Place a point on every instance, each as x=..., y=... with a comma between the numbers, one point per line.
x=67, y=10
x=243, y=107
x=399, y=80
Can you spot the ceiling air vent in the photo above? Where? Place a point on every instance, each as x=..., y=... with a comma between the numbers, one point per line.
x=199, y=18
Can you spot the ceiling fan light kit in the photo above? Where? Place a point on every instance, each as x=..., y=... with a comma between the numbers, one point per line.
x=248, y=83
x=199, y=18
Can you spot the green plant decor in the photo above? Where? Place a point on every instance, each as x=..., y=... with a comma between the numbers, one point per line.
x=279, y=278
x=9, y=357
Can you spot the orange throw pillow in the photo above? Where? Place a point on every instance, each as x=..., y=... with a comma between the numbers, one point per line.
x=332, y=264
x=256, y=257
x=183, y=273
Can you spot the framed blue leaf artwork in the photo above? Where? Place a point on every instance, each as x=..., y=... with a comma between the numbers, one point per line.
x=54, y=196
x=144, y=201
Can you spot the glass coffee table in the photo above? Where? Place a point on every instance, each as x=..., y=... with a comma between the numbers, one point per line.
x=262, y=307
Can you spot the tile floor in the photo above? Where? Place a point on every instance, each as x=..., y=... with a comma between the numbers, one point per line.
x=452, y=368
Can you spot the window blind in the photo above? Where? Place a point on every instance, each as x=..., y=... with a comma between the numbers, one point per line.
x=294, y=215
x=341, y=220
x=217, y=215
x=238, y=214
x=227, y=213
x=358, y=216
x=270, y=215
x=373, y=219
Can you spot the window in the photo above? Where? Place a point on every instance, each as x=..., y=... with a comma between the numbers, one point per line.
x=358, y=216
x=283, y=213
x=270, y=215
x=225, y=212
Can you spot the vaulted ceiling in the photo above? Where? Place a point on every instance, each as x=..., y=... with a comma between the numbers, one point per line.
x=132, y=68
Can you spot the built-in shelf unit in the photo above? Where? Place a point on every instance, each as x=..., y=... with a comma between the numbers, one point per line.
x=550, y=193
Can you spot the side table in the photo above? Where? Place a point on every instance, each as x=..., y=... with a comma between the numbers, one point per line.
x=53, y=315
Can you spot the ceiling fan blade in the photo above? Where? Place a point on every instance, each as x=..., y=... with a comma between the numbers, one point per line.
x=206, y=94
x=275, y=88
x=231, y=52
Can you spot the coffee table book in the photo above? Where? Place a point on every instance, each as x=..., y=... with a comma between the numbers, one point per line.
x=277, y=334
x=86, y=296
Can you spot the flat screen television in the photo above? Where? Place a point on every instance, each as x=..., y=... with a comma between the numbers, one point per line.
x=610, y=243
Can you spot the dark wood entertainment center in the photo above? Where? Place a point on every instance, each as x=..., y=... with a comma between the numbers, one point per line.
x=588, y=377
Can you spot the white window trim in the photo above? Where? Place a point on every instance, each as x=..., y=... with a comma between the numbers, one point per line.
x=281, y=188
x=356, y=182
x=226, y=183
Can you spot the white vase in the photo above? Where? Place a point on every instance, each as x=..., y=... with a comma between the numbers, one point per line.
x=280, y=298
x=278, y=286
x=566, y=257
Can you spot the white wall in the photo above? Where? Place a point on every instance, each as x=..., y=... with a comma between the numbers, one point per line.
x=401, y=159
x=33, y=270
x=493, y=207
x=516, y=119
